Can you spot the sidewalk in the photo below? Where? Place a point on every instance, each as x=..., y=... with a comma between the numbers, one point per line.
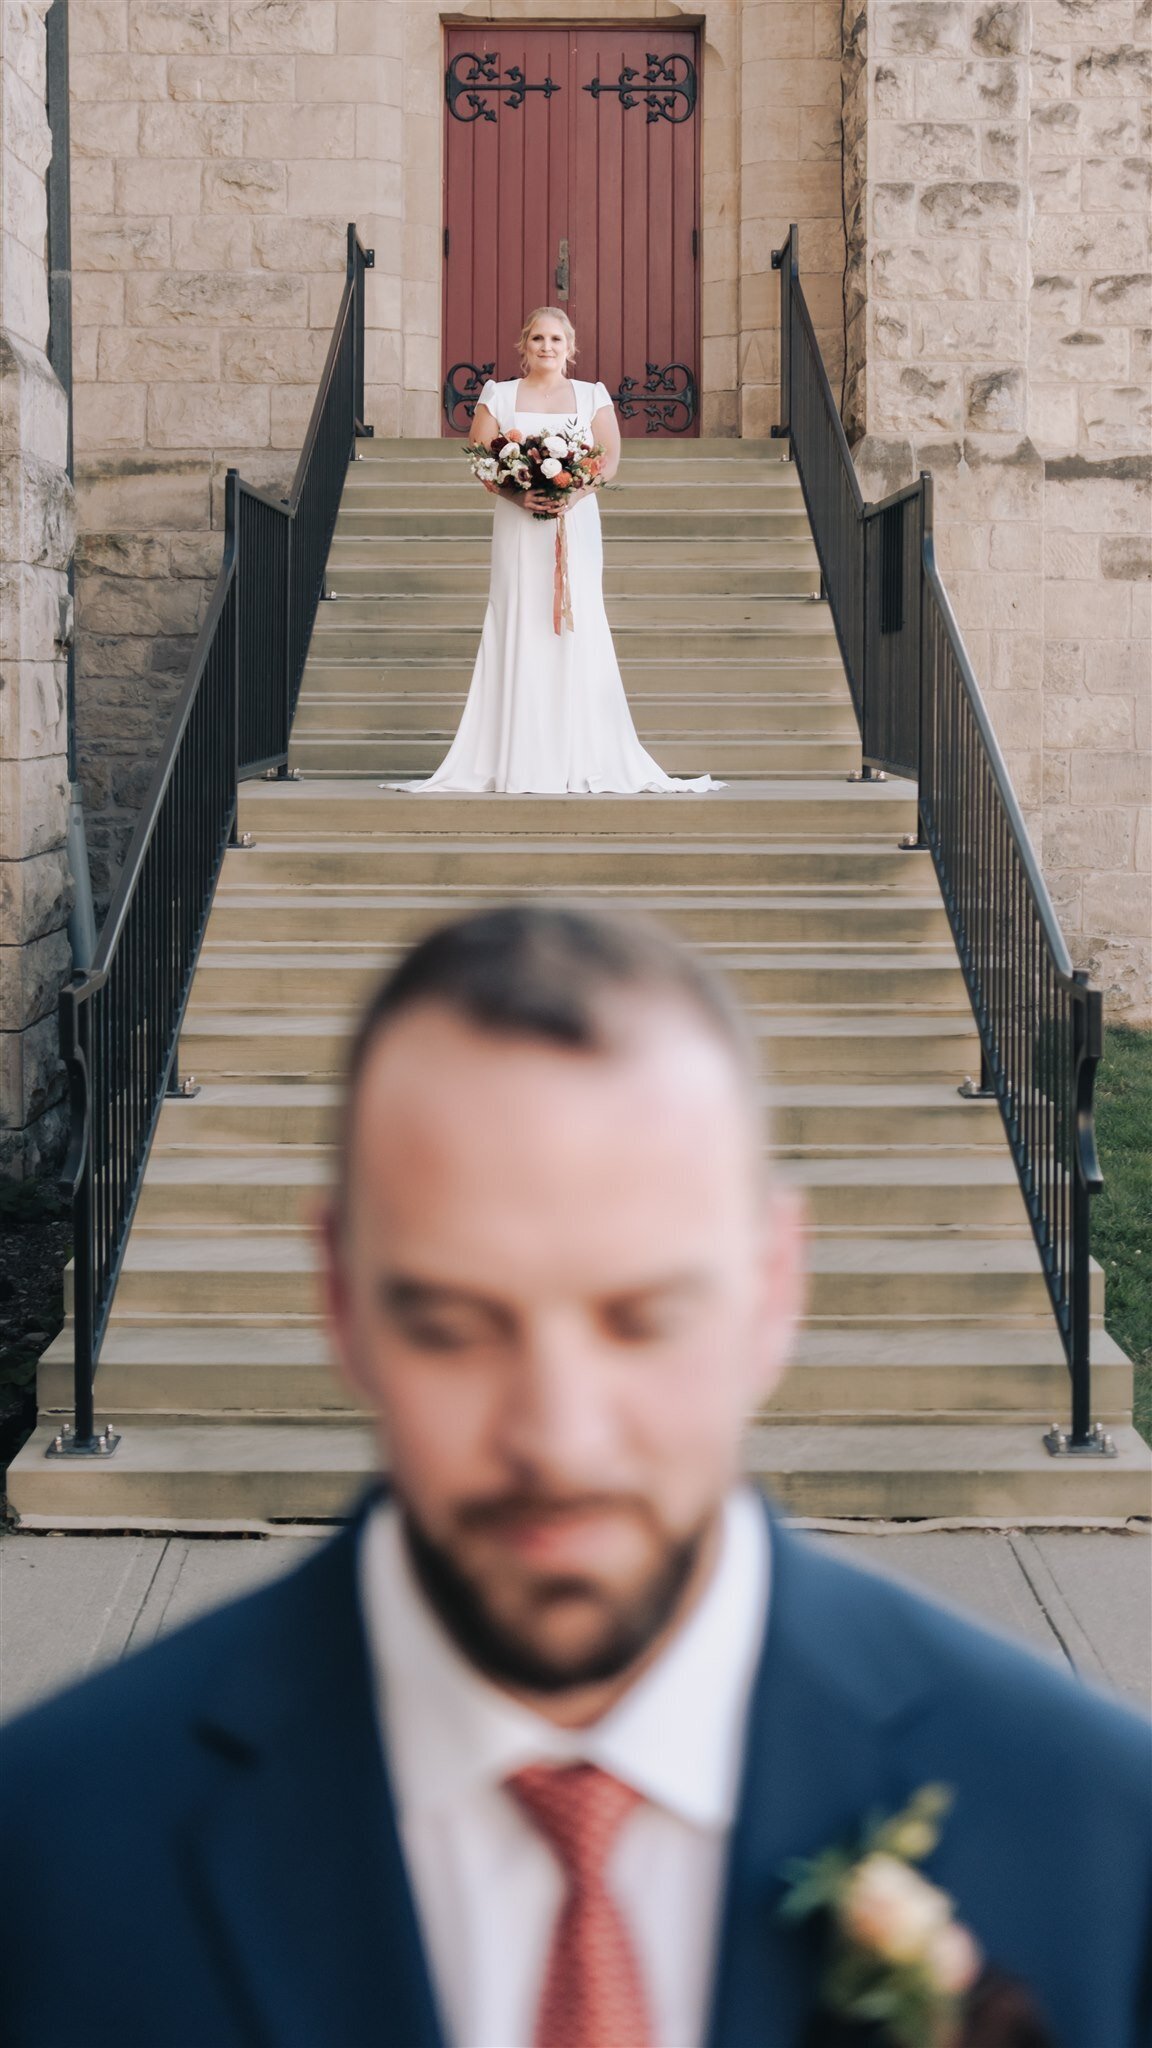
x=69, y=1604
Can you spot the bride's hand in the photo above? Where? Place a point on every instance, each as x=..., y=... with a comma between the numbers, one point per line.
x=539, y=501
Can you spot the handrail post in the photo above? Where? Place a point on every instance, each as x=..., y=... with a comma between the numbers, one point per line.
x=787, y=261
x=1087, y=1046
x=917, y=842
x=232, y=540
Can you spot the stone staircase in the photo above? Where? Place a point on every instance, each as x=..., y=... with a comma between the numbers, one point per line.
x=928, y=1364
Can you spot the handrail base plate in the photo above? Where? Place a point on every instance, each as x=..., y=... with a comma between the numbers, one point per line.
x=1058, y=1443
x=66, y=1444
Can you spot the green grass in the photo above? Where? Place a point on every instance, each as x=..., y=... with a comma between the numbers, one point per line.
x=1122, y=1215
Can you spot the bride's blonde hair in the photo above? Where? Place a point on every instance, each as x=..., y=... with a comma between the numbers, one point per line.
x=556, y=313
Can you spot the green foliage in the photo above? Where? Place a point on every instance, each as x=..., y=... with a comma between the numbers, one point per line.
x=1122, y=1215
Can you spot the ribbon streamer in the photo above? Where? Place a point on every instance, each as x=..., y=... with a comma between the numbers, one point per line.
x=561, y=588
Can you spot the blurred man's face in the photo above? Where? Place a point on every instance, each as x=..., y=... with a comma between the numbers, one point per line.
x=560, y=1285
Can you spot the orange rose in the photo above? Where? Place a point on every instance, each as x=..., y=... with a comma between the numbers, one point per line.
x=562, y=479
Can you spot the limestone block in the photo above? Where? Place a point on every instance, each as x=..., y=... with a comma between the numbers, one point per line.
x=1055, y=782
x=1074, y=21
x=1115, y=418
x=1089, y=494
x=30, y=613
x=894, y=211
x=962, y=546
x=384, y=409
x=97, y=297
x=276, y=356
x=1014, y=660
x=99, y=25
x=925, y=149
x=299, y=245
x=259, y=299
x=927, y=270
x=174, y=25
x=25, y=292
x=144, y=187
x=1142, y=857
x=1090, y=611
x=1056, y=298
x=1063, y=662
x=279, y=25
x=26, y=134
x=33, y=408
x=1141, y=363
x=422, y=314
x=109, y=415
x=324, y=295
x=1110, y=183
x=1099, y=721
x=365, y=27
x=1055, y=187
x=36, y=513
x=249, y=185
x=1120, y=905
x=378, y=133
x=122, y=77
x=383, y=357
x=94, y=186
x=910, y=398
x=1119, y=300
x=1053, y=415
x=1126, y=558
x=363, y=187
x=1000, y=603
x=920, y=28
x=977, y=207
x=141, y=494
x=141, y=354
x=105, y=127
x=144, y=604
x=1050, y=72
x=770, y=31
x=270, y=469
x=123, y=554
x=1004, y=149
x=985, y=479
x=111, y=243
x=290, y=408
x=1018, y=546
x=819, y=136
x=1071, y=554
x=1100, y=242
x=1119, y=72
x=992, y=89
x=220, y=242
x=25, y=51
x=296, y=131
x=32, y=708
x=421, y=362
x=248, y=80
x=894, y=88
x=33, y=811
x=420, y=413
x=1078, y=355
x=207, y=416
x=25, y=206
x=377, y=81
x=35, y=897
x=32, y=1080
x=201, y=129
x=197, y=555
x=1001, y=29
x=969, y=331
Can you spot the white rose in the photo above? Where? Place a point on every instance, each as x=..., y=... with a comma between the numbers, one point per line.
x=551, y=467
x=893, y=1910
x=510, y=452
x=487, y=469
x=556, y=444
x=953, y=1960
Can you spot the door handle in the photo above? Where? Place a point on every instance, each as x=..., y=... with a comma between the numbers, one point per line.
x=562, y=270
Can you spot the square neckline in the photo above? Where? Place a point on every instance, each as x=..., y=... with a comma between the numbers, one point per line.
x=535, y=413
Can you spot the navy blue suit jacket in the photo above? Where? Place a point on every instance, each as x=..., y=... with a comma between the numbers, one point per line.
x=200, y=1847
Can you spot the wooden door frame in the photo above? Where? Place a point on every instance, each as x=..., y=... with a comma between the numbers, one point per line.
x=490, y=25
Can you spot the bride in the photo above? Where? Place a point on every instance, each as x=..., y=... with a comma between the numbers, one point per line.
x=546, y=712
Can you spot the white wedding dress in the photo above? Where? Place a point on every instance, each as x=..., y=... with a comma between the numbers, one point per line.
x=546, y=713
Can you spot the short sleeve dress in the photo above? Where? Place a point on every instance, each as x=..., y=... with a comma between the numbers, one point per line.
x=546, y=712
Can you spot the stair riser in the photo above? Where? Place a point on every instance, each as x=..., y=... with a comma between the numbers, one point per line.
x=628, y=612
x=335, y=641
x=883, y=812
x=573, y=865
x=681, y=556
x=692, y=679
x=871, y=923
x=636, y=494
x=1092, y=1491
x=296, y=1292
x=847, y=1394
x=623, y=519
x=731, y=760
x=887, y=1209
x=373, y=715
x=829, y=1127
x=219, y=1055
x=791, y=569
x=244, y=987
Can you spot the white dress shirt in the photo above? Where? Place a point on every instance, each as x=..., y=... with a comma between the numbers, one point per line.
x=487, y=1888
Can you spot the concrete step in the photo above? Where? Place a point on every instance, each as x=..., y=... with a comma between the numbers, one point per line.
x=199, y=1474
x=761, y=811
x=776, y=490
x=797, y=629
x=209, y=1366
x=627, y=612
x=621, y=517
x=592, y=866
x=790, y=569
x=843, y=1116
x=710, y=715
x=788, y=677
x=678, y=558
x=855, y=1047
x=251, y=977
x=392, y=449
x=276, y=916
x=746, y=756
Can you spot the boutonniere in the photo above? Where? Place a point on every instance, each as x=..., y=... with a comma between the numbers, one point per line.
x=899, y=1963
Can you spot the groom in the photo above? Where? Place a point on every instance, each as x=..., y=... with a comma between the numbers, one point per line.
x=521, y=1758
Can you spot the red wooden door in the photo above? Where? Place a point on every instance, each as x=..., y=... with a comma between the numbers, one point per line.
x=572, y=179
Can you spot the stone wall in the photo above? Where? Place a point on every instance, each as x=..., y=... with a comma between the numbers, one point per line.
x=35, y=544
x=998, y=307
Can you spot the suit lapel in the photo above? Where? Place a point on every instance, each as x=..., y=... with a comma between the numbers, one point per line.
x=819, y=1759
x=297, y=1861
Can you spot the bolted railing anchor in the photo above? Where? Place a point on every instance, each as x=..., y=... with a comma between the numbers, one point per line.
x=244, y=844
x=867, y=775
x=975, y=1091
x=66, y=1443
x=185, y=1090
x=1059, y=1443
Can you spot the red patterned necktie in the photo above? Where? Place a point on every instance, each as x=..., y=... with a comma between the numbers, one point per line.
x=592, y=1996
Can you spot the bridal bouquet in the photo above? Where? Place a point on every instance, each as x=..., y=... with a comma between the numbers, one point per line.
x=556, y=465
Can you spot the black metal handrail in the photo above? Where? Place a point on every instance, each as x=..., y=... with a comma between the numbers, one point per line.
x=921, y=715
x=120, y=1021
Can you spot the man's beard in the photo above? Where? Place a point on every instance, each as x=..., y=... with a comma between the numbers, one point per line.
x=632, y=1620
